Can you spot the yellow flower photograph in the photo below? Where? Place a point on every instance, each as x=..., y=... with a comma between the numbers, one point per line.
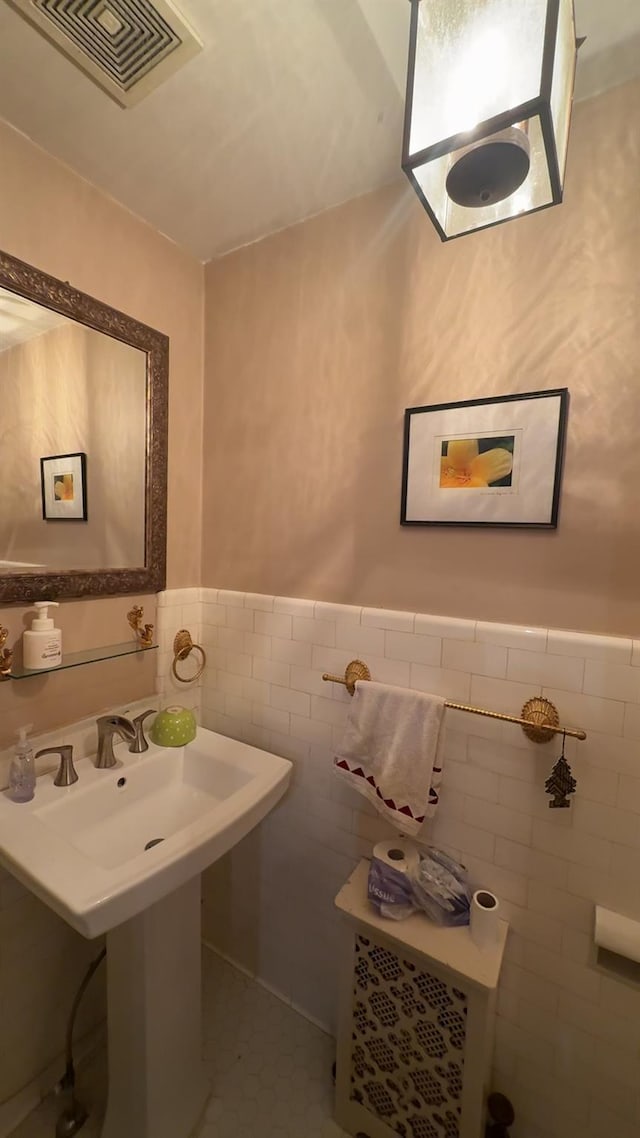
x=63, y=480
x=475, y=464
x=63, y=487
x=506, y=451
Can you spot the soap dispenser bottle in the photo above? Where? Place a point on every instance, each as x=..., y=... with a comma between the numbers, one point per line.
x=22, y=772
x=42, y=646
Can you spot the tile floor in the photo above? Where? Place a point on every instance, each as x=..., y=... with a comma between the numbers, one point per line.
x=270, y=1068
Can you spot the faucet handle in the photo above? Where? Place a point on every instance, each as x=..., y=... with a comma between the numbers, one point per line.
x=139, y=744
x=67, y=773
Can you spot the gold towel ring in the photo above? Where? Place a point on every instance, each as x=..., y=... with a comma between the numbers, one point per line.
x=182, y=647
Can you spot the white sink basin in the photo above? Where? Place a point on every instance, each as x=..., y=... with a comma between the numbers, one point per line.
x=81, y=849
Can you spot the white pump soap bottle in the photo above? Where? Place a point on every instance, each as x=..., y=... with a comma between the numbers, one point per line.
x=42, y=646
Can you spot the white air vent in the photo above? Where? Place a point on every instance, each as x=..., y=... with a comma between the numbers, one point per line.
x=128, y=47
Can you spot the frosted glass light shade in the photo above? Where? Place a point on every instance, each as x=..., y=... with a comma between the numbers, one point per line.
x=489, y=92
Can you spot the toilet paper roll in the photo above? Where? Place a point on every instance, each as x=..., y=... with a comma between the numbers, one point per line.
x=617, y=933
x=399, y=854
x=484, y=918
x=390, y=887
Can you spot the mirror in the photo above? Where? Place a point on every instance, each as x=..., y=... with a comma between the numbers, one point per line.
x=83, y=443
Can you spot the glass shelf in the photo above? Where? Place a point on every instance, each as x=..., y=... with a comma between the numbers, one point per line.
x=75, y=659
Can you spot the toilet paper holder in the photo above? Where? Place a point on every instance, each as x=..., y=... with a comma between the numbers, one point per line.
x=616, y=947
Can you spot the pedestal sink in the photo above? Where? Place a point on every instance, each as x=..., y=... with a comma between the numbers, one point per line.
x=121, y=852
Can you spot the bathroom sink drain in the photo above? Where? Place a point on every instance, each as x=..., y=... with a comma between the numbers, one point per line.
x=153, y=842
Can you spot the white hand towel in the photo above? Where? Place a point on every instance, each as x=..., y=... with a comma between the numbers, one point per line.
x=389, y=751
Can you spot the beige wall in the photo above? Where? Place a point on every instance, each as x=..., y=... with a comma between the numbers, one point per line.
x=318, y=338
x=74, y=389
x=63, y=697
x=54, y=220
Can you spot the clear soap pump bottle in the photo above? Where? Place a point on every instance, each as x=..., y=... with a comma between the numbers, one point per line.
x=22, y=772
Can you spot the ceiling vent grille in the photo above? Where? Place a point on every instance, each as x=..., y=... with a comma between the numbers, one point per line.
x=128, y=47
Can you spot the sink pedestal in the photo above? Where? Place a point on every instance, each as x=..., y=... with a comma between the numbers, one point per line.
x=157, y=1080
x=91, y=852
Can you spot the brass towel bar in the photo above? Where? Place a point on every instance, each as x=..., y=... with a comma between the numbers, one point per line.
x=539, y=718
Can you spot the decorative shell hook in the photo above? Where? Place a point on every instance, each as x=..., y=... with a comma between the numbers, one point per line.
x=143, y=632
x=6, y=655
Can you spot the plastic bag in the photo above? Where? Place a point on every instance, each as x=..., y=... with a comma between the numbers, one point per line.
x=437, y=884
x=390, y=891
x=440, y=887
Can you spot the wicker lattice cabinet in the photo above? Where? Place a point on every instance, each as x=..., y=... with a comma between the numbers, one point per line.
x=415, y=1035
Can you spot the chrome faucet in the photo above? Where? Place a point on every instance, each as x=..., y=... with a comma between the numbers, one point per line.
x=108, y=726
x=67, y=773
x=140, y=744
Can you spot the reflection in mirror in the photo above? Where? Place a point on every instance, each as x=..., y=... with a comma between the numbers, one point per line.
x=70, y=390
x=83, y=443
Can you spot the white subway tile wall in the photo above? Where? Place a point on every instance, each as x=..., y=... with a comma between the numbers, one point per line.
x=197, y=611
x=568, y=1037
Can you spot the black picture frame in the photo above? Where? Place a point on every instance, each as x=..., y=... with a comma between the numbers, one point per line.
x=531, y=427
x=56, y=509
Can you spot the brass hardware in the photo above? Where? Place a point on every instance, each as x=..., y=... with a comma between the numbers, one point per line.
x=539, y=720
x=143, y=632
x=538, y=730
x=182, y=647
x=6, y=655
x=354, y=671
x=540, y=711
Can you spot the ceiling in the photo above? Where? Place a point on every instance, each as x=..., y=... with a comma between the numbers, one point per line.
x=22, y=320
x=293, y=106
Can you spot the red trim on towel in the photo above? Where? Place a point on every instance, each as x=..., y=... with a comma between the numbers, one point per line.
x=389, y=802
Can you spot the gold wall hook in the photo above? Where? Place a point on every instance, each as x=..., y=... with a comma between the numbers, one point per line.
x=354, y=671
x=6, y=655
x=144, y=632
x=543, y=716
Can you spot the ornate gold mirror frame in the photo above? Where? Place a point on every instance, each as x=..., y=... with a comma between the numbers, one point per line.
x=58, y=295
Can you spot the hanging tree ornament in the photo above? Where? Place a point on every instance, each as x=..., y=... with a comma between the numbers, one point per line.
x=560, y=783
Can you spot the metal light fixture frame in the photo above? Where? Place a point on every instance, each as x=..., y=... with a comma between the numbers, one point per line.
x=539, y=105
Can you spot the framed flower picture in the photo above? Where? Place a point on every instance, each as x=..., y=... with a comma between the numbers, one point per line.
x=485, y=462
x=64, y=487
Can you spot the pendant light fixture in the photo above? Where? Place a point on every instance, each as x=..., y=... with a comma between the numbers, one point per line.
x=489, y=92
